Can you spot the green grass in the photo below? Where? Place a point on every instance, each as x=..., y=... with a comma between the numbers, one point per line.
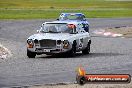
x=38, y=14
x=64, y=4
x=41, y=9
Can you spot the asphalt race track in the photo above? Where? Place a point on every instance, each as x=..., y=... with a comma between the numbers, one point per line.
x=108, y=55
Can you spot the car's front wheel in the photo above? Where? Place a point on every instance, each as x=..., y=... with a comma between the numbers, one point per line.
x=30, y=54
x=72, y=52
x=87, y=49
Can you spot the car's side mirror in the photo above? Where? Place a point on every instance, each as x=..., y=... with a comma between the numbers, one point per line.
x=76, y=32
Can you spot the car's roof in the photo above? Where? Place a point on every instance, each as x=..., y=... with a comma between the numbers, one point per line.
x=72, y=13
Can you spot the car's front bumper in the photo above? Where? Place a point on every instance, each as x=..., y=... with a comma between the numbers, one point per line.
x=48, y=51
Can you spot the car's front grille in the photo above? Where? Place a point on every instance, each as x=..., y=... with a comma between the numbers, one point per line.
x=47, y=43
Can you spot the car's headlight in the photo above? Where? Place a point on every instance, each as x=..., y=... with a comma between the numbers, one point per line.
x=66, y=44
x=30, y=43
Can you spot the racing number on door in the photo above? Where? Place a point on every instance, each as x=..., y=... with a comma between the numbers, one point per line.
x=81, y=43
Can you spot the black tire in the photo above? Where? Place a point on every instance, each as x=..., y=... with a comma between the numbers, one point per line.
x=72, y=52
x=87, y=49
x=81, y=80
x=30, y=54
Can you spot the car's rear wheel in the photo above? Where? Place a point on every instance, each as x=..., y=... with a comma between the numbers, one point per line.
x=87, y=49
x=30, y=54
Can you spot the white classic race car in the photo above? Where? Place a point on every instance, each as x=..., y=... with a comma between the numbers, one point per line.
x=56, y=37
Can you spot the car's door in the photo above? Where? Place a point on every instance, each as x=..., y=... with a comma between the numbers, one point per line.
x=82, y=37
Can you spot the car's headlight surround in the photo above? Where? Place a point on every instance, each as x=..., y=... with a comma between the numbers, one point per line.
x=65, y=44
x=36, y=41
x=59, y=42
x=30, y=43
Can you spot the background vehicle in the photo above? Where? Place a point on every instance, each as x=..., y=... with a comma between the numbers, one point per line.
x=75, y=17
x=72, y=16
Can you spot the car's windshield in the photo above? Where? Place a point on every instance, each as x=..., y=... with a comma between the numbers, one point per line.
x=57, y=28
x=71, y=17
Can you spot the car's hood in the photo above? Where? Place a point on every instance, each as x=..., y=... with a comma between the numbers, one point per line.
x=53, y=36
